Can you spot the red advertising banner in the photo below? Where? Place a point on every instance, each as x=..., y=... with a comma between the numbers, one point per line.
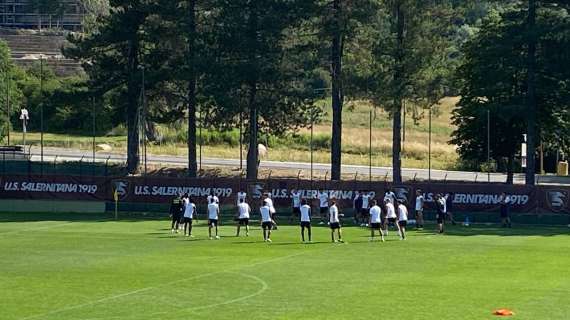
x=466, y=197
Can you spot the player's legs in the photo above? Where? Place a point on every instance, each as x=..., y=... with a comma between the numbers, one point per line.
x=402, y=225
x=419, y=219
x=173, y=224
x=440, y=222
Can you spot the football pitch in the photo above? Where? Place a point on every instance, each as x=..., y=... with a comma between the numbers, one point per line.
x=59, y=267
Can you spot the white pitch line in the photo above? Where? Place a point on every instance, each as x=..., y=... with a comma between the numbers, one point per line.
x=264, y=287
x=129, y=293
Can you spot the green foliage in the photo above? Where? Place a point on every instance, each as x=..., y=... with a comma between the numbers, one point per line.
x=493, y=79
x=9, y=91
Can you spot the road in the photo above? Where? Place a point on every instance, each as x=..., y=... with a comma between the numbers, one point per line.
x=50, y=154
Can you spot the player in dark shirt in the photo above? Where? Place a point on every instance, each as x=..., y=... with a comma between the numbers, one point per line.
x=175, y=213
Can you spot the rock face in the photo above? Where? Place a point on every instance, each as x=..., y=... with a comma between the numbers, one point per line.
x=28, y=46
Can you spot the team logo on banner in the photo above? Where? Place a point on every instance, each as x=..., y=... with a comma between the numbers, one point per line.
x=402, y=193
x=256, y=190
x=121, y=188
x=557, y=200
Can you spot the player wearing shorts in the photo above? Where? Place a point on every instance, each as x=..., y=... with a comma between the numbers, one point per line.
x=420, y=203
x=296, y=204
x=391, y=216
x=271, y=210
x=402, y=218
x=305, y=211
x=213, y=215
x=266, y=221
x=243, y=219
x=365, y=212
x=324, y=205
x=189, y=215
x=334, y=221
x=175, y=211
x=375, y=221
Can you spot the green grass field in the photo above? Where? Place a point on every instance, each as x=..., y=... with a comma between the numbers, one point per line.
x=72, y=267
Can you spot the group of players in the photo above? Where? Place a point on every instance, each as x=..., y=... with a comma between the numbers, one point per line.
x=378, y=216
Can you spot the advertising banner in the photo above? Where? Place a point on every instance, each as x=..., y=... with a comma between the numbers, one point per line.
x=466, y=197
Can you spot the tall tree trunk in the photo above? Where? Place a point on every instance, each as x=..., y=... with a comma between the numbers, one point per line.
x=337, y=95
x=192, y=165
x=399, y=97
x=133, y=121
x=252, y=152
x=510, y=169
x=531, y=94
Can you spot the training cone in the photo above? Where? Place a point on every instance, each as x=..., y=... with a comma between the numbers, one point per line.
x=503, y=312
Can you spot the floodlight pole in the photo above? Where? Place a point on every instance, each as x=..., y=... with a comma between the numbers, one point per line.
x=24, y=129
x=488, y=145
x=8, y=102
x=370, y=149
x=311, y=141
x=144, y=120
x=42, y=113
x=429, y=146
x=200, y=134
x=240, y=140
x=93, y=126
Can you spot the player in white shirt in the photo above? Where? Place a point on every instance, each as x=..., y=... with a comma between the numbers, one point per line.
x=440, y=216
x=266, y=221
x=323, y=204
x=366, y=198
x=375, y=220
x=213, y=215
x=271, y=209
x=389, y=194
x=402, y=218
x=305, y=212
x=243, y=217
x=391, y=216
x=213, y=196
x=296, y=204
x=420, y=203
x=189, y=215
x=241, y=196
x=334, y=221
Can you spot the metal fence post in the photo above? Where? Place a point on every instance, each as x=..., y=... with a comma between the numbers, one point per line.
x=81, y=167
x=107, y=165
x=55, y=165
x=30, y=165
